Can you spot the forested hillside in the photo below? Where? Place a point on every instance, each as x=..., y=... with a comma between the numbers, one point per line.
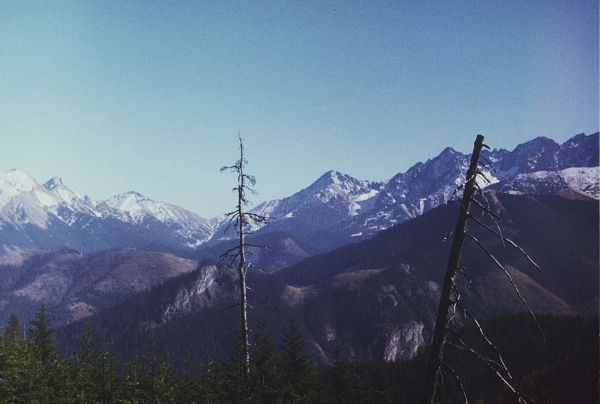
x=557, y=368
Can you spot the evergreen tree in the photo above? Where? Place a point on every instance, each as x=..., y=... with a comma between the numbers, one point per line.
x=43, y=369
x=265, y=376
x=190, y=390
x=236, y=386
x=135, y=386
x=337, y=377
x=108, y=377
x=87, y=362
x=165, y=384
x=213, y=381
x=13, y=330
x=14, y=360
x=300, y=381
x=382, y=387
x=41, y=336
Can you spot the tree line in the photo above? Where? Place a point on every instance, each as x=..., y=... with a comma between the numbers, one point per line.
x=33, y=370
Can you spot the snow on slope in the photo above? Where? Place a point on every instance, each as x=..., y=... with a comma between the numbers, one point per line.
x=330, y=188
x=584, y=179
x=23, y=201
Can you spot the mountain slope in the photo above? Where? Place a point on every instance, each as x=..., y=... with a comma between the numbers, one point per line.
x=74, y=286
x=380, y=296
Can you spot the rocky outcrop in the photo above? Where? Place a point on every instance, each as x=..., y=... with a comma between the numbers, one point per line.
x=203, y=292
x=403, y=342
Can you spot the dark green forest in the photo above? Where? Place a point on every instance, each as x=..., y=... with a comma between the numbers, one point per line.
x=558, y=366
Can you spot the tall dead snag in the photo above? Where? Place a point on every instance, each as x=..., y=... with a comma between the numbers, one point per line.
x=446, y=300
x=241, y=221
x=450, y=298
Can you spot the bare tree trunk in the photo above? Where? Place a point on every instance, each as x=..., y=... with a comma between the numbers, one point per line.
x=245, y=346
x=447, y=298
x=241, y=220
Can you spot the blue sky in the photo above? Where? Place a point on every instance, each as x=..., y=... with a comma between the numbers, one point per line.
x=149, y=96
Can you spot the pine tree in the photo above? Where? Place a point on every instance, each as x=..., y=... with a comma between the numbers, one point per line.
x=213, y=381
x=14, y=360
x=165, y=383
x=108, y=377
x=338, y=381
x=41, y=336
x=236, y=386
x=87, y=361
x=265, y=375
x=190, y=390
x=300, y=381
x=382, y=386
x=135, y=384
x=43, y=368
x=13, y=330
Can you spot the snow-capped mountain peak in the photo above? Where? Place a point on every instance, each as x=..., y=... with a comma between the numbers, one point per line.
x=334, y=192
x=53, y=183
x=16, y=181
x=139, y=207
x=26, y=205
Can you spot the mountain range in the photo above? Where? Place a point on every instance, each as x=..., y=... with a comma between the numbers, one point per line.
x=357, y=263
x=335, y=210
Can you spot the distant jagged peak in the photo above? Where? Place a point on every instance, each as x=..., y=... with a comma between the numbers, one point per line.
x=128, y=201
x=331, y=177
x=448, y=151
x=447, y=155
x=133, y=195
x=53, y=183
x=580, y=139
x=344, y=182
x=540, y=141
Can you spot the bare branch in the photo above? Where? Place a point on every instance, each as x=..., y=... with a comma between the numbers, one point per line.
x=496, y=366
x=489, y=163
x=448, y=236
x=482, y=175
x=463, y=271
x=462, y=387
x=510, y=279
x=509, y=242
x=486, y=210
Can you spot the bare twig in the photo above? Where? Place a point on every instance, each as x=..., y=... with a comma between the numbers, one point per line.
x=512, y=243
x=489, y=163
x=463, y=271
x=462, y=387
x=510, y=279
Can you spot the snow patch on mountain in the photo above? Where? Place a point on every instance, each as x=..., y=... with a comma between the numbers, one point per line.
x=584, y=179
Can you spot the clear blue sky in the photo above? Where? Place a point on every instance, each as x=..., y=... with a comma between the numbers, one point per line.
x=149, y=96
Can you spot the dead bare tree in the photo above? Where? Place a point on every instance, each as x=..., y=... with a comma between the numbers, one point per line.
x=242, y=220
x=450, y=303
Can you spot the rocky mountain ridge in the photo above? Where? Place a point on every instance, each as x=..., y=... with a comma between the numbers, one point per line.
x=333, y=211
